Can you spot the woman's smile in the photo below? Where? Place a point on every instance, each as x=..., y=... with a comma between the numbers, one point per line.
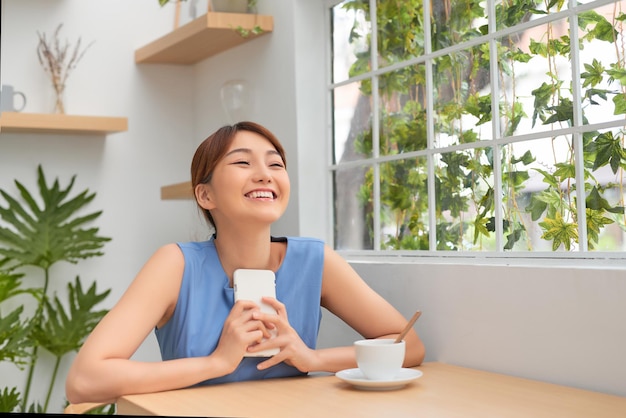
x=261, y=195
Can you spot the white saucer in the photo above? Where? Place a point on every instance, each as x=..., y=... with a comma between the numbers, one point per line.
x=356, y=378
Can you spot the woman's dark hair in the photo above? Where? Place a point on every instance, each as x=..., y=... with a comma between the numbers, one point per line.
x=211, y=151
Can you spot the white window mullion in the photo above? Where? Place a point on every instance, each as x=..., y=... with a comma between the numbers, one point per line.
x=495, y=126
x=577, y=136
x=375, y=124
x=430, y=131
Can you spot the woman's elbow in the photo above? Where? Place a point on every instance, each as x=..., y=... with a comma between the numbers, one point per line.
x=74, y=390
x=79, y=387
x=415, y=351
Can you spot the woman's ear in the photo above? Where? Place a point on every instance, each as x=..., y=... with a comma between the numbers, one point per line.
x=203, y=196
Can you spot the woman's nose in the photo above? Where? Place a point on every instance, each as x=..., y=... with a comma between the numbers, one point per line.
x=262, y=174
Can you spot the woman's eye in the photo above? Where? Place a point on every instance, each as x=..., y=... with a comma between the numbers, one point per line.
x=242, y=162
x=281, y=165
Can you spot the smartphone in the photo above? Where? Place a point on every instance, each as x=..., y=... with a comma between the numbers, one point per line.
x=252, y=284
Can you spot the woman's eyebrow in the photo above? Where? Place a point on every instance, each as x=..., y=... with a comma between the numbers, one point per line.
x=249, y=151
x=236, y=150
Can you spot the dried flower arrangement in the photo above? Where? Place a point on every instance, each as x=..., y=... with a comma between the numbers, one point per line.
x=53, y=57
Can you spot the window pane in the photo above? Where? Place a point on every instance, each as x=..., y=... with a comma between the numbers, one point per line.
x=513, y=12
x=539, y=185
x=404, y=204
x=465, y=198
x=462, y=102
x=540, y=87
x=601, y=65
x=456, y=21
x=352, y=124
x=548, y=112
x=350, y=40
x=402, y=111
x=606, y=223
x=400, y=31
x=353, y=209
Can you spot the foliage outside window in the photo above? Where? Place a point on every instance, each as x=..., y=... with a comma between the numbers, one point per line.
x=464, y=125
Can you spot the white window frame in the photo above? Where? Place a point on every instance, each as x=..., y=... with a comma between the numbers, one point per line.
x=580, y=257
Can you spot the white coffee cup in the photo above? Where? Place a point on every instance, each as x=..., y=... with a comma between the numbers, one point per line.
x=379, y=359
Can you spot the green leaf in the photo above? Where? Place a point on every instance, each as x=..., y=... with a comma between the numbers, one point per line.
x=63, y=331
x=619, y=100
x=565, y=171
x=41, y=236
x=563, y=112
x=14, y=338
x=595, y=201
x=594, y=74
x=536, y=208
x=595, y=223
x=617, y=73
x=604, y=31
x=9, y=284
x=559, y=232
x=526, y=159
x=592, y=93
x=514, y=236
x=538, y=48
x=9, y=400
x=480, y=227
x=543, y=95
x=608, y=150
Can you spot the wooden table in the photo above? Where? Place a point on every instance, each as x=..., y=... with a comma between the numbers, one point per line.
x=443, y=391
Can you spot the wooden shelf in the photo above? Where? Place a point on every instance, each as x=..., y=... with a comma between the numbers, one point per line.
x=177, y=191
x=203, y=37
x=50, y=123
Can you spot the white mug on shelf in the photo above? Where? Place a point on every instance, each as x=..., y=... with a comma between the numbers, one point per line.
x=7, y=95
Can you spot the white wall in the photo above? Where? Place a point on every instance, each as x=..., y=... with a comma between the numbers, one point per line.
x=521, y=321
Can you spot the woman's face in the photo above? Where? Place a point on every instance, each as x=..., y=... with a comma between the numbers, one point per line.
x=250, y=184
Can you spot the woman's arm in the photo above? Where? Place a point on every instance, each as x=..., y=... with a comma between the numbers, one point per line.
x=345, y=294
x=103, y=371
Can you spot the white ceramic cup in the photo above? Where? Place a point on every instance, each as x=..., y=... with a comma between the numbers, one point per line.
x=379, y=359
x=7, y=96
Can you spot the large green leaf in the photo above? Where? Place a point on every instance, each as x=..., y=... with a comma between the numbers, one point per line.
x=42, y=236
x=14, y=338
x=60, y=331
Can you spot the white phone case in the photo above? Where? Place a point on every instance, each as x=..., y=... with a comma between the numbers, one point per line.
x=251, y=284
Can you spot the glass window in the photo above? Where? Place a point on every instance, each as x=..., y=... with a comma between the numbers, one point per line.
x=479, y=126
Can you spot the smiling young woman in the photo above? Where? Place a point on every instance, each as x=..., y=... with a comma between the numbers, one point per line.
x=185, y=290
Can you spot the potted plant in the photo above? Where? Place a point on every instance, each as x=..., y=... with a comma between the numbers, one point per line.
x=233, y=6
x=34, y=236
x=226, y=6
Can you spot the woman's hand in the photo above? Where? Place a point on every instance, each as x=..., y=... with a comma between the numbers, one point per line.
x=293, y=351
x=242, y=329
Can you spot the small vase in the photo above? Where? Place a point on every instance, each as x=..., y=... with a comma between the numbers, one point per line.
x=59, y=99
x=229, y=6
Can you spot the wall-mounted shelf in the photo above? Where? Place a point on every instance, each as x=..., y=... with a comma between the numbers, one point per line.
x=203, y=37
x=177, y=191
x=50, y=123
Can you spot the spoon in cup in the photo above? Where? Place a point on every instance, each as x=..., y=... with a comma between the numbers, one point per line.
x=408, y=326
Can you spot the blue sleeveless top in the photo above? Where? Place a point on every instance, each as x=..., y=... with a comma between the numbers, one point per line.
x=206, y=298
